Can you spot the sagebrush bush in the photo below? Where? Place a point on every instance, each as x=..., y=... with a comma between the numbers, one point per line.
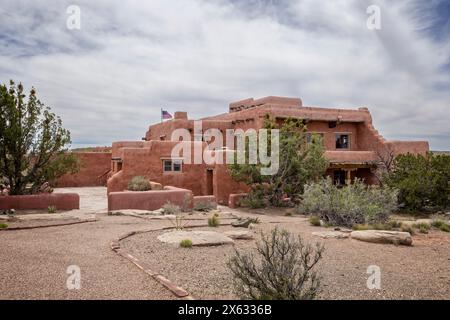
x=186, y=243
x=139, y=183
x=213, y=221
x=282, y=269
x=356, y=203
x=170, y=209
x=3, y=226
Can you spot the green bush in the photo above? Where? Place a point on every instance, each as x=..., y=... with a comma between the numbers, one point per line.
x=186, y=243
x=255, y=199
x=51, y=209
x=139, y=183
x=314, y=221
x=170, y=209
x=423, y=181
x=353, y=204
x=3, y=226
x=441, y=225
x=422, y=227
x=282, y=269
x=213, y=221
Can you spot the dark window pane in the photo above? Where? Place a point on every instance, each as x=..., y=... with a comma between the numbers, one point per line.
x=167, y=165
x=177, y=166
x=342, y=141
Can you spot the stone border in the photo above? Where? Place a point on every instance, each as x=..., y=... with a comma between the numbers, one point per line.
x=179, y=292
x=47, y=226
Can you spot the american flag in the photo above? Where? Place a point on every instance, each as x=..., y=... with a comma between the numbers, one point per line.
x=165, y=115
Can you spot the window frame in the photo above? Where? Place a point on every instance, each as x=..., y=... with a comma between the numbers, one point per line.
x=173, y=163
x=349, y=142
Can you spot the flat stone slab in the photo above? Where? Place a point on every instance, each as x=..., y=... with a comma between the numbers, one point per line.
x=239, y=234
x=131, y=212
x=332, y=234
x=198, y=238
x=383, y=236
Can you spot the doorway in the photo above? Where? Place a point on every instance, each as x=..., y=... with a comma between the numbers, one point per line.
x=209, y=182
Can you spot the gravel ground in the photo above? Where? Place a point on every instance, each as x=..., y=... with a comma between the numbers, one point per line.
x=418, y=272
x=33, y=263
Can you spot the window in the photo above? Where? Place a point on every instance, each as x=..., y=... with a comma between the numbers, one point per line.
x=172, y=165
x=342, y=141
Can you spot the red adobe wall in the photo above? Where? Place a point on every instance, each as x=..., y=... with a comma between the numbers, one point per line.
x=150, y=200
x=94, y=168
x=147, y=161
x=62, y=201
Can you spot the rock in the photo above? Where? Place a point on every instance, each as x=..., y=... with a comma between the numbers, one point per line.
x=241, y=223
x=239, y=234
x=155, y=186
x=447, y=215
x=198, y=238
x=382, y=236
x=332, y=234
x=134, y=212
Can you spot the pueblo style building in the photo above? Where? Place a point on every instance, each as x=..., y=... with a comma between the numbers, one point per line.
x=353, y=146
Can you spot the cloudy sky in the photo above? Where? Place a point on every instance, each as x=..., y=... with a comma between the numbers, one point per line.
x=109, y=79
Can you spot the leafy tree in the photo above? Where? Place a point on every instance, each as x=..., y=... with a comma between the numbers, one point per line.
x=300, y=161
x=423, y=180
x=32, y=142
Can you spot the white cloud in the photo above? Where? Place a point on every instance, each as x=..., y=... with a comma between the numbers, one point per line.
x=109, y=79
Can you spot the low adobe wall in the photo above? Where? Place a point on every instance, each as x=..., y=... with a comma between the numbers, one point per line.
x=62, y=201
x=94, y=169
x=150, y=200
x=207, y=200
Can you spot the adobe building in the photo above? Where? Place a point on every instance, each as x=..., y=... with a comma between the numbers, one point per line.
x=353, y=146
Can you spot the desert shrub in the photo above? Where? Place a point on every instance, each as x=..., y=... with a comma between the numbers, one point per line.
x=139, y=183
x=213, y=221
x=422, y=227
x=255, y=199
x=356, y=203
x=441, y=225
x=51, y=209
x=282, y=269
x=186, y=243
x=314, y=221
x=3, y=226
x=170, y=209
x=204, y=206
x=423, y=181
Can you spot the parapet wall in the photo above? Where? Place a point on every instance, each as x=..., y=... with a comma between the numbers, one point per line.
x=61, y=201
x=150, y=200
